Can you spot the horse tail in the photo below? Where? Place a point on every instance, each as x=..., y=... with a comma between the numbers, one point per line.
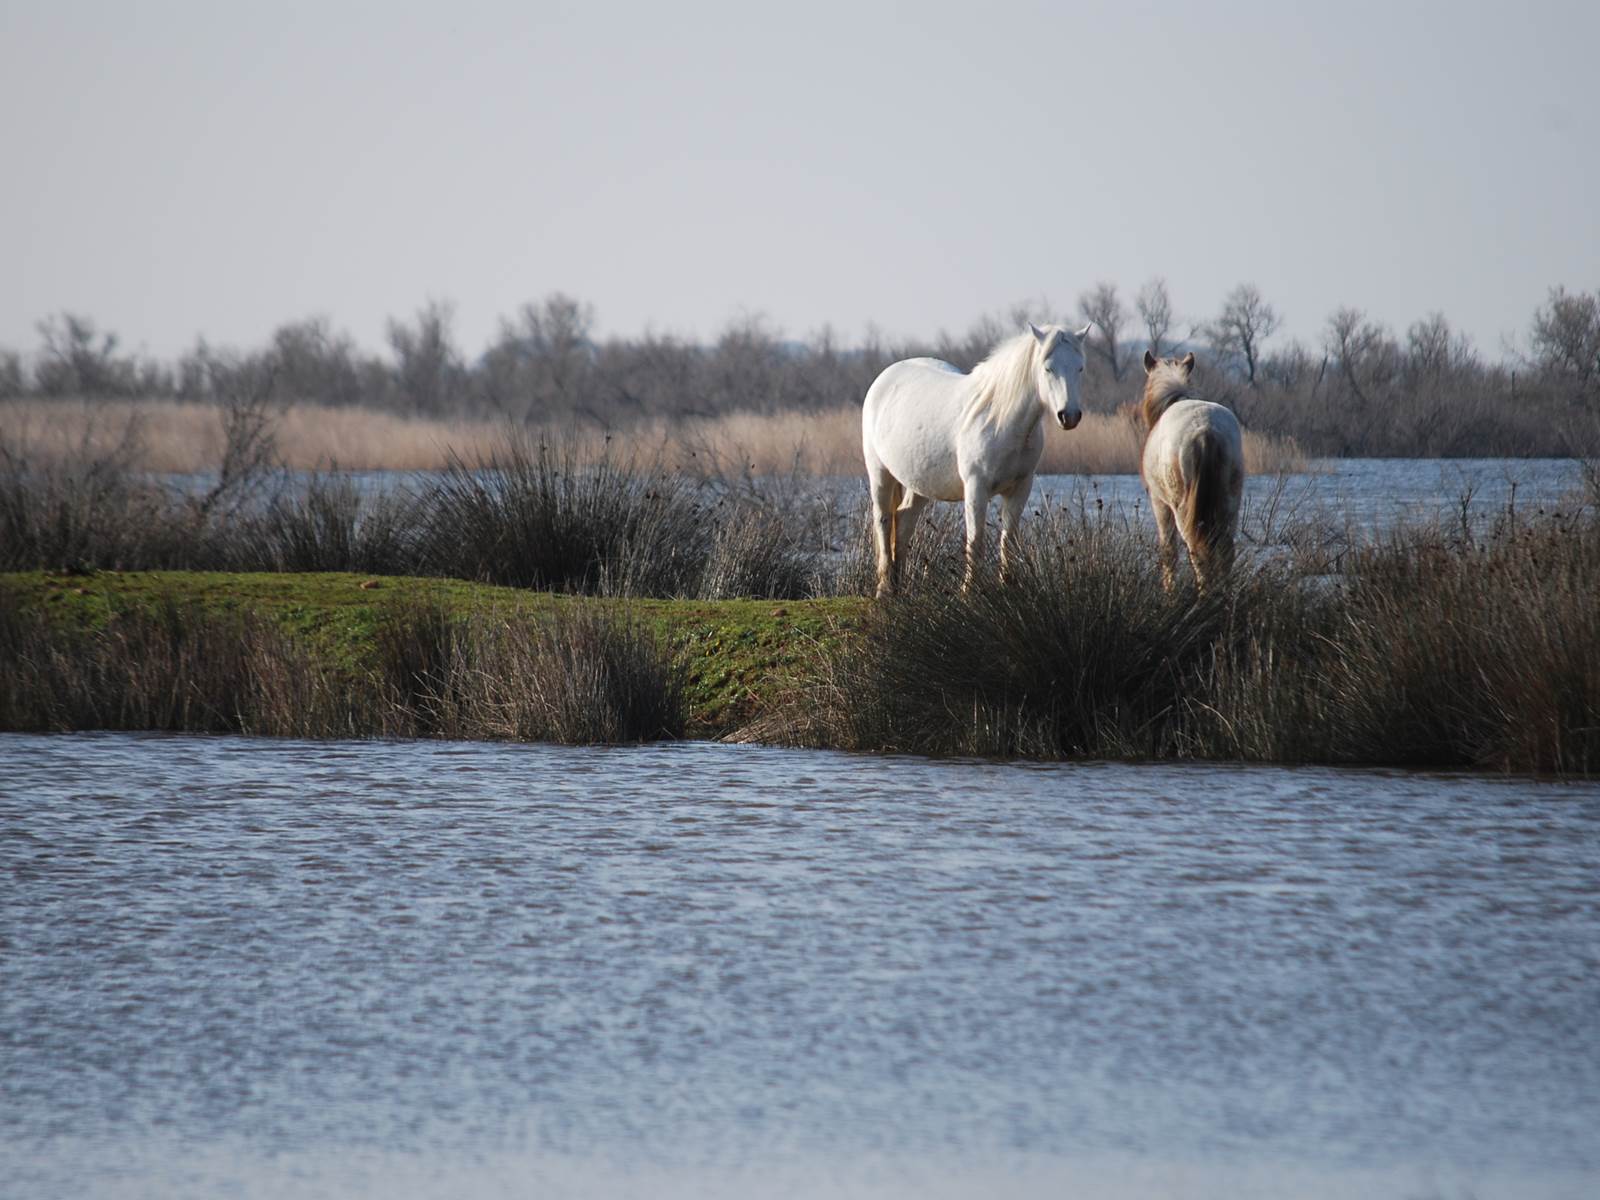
x=1208, y=500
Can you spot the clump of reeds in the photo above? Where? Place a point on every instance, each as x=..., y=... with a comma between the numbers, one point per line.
x=578, y=677
x=536, y=515
x=1463, y=649
x=1434, y=647
x=574, y=675
x=86, y=510
x=325, y=522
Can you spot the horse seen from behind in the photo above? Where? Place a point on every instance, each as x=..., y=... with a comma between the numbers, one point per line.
x=930, y=432
x=1193, y=469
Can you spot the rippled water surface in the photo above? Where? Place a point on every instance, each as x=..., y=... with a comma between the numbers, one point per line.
x=261, y=968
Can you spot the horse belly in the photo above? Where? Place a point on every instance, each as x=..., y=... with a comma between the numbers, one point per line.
x=911, y=433
x=924, y=466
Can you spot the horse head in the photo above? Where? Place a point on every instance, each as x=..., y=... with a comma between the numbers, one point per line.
x=1058, y=371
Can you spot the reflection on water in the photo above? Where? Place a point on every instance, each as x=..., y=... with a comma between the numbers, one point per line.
x=258, y=968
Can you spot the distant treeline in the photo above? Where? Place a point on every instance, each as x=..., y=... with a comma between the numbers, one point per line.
x=1362, y=389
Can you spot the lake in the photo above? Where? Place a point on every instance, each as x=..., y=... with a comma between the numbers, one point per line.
x=255, y=968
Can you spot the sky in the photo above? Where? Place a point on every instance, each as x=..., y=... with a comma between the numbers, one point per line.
x=176, y=169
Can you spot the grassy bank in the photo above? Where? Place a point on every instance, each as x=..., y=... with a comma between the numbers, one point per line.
x=351, y=655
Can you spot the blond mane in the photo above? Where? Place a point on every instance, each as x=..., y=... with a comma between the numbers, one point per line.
x=1167, y=382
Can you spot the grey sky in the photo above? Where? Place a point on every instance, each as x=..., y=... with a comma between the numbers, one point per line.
x=177, y=168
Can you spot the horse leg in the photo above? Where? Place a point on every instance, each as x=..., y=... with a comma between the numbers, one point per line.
x=905, y=524
x=1011, y=510
x=885, y=496
x=976, y=505
x=1166, y=542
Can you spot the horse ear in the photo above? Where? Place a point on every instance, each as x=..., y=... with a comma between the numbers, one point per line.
x=1039, y=335
x=1150, y=361
x=1083, y=333
x=1188, y=362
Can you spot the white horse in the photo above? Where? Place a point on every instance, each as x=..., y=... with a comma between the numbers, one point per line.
x=1193, y=468
x=928, y=432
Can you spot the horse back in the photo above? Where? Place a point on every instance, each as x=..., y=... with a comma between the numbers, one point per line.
x=1195, y=444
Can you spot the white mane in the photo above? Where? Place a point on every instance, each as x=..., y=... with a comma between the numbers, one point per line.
x=1004, y=381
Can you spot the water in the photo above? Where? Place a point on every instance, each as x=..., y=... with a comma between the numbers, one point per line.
x=1365, y=494
x=254, y=968
x=1371, y=493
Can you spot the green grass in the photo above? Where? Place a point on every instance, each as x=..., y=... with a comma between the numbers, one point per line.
x=739, y=655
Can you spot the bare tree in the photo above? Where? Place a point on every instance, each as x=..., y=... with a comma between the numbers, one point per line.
x=1101, y=306
x=310, y=360
x=1246, y=321
x=1566, y=338
x=12, y=381
x=1155, y=310
x=429, y=368
x=539, y=366
x=1434, y=350
x=78, y=359
x=1367, y=357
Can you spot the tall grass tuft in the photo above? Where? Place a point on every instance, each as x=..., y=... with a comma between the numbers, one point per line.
x=543, y=515
x=536, y=515
x=1484, y=651
x=82, y=511
x=325, y=523
x=575, y=676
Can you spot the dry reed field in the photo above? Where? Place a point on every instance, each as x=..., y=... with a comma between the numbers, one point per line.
x=179, y=437
x=183, y=438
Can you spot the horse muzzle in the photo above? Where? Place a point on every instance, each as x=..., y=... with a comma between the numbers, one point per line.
x=1069, y=420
